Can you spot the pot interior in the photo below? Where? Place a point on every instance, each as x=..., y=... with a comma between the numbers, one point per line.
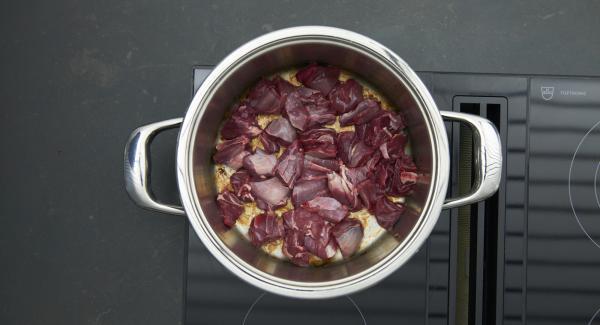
x=282, y=55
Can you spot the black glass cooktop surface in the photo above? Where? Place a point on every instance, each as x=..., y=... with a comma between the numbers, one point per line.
x=563, y=237
x=528, y=255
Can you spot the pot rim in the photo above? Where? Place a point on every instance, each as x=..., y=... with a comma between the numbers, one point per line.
x=375, y=273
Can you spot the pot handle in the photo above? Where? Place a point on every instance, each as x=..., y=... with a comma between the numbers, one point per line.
x=137, y=166
x=487, y=152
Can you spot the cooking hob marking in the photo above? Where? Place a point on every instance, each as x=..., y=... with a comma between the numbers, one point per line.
x=593, y=317
x=359, y=311
x=569, y=184
x=252, y=306
x=264, y=293
x=595, y=186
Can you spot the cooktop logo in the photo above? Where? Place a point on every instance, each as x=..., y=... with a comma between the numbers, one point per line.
x=547, y=92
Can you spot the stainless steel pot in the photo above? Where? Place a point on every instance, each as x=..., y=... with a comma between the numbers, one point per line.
x=387, y=73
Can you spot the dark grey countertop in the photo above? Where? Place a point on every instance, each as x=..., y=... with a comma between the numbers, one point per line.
x=77, y=77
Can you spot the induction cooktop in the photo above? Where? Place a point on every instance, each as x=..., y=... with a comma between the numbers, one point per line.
x=528, y=255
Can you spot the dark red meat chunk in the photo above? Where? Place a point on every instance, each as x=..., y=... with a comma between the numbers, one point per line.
x=343, y=190
x=284, y=88
x=264, y=228
x=384, y=173
x=230, y=206
x=319, y=143
x=318, y=107
x=345, y=96
x=293, y=248
x=320, y=115
x=365, y=111
x=269, y=143
x=290, y=165
x=396, y=122
x=232, y=152
x=402, y=185
x=310, y=175
x=306, y=190
x=369, y=193
x=352, y=150
x=260, y=164
x=264, y=97
x=319, y=77
x=356, y=175
x=316, y=230
x=359, y=153
x=373, y=162
x=281, y=130
x=387, y=212
x=307, y=108
x=270, y=194
x=320, y=248
x=242, y=122
x=240, y=181
x=394, y=147
x=408, y=177
x=344, y=144
x=381, y=129
x=328, y=208
x=320, y=165
x=348, y=234
x=375, y=133
x=309, y=223
x=295, y=110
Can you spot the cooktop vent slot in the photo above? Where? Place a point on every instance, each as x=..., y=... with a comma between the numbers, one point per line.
x=478, y=229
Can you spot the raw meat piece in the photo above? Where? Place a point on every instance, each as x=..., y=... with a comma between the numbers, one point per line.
x=295, y=110
x=393, y=148
x=359, y=153
x=293, y=248
x=306, y=190
x=260, y=164
x=264, y=228
x=230, y=206
x=324, y=250
x=342, y=189
x=283, y=87
x=271, y=193
x=348, y=234
x=240, y=123
x=319, y=164
x=319, y=77
x=315, y=229
x=307, y=108
x=365, y=111
x=387, y=212
x=345, y=96
x=264, y=97
x=269, y=143
x=290, y=165
x=232, y=152
x=319, y=143
x=344, y=144
x=281, y=130
x=328, y=208
x=369, y=193
x=404, y=176
x=240, y=181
